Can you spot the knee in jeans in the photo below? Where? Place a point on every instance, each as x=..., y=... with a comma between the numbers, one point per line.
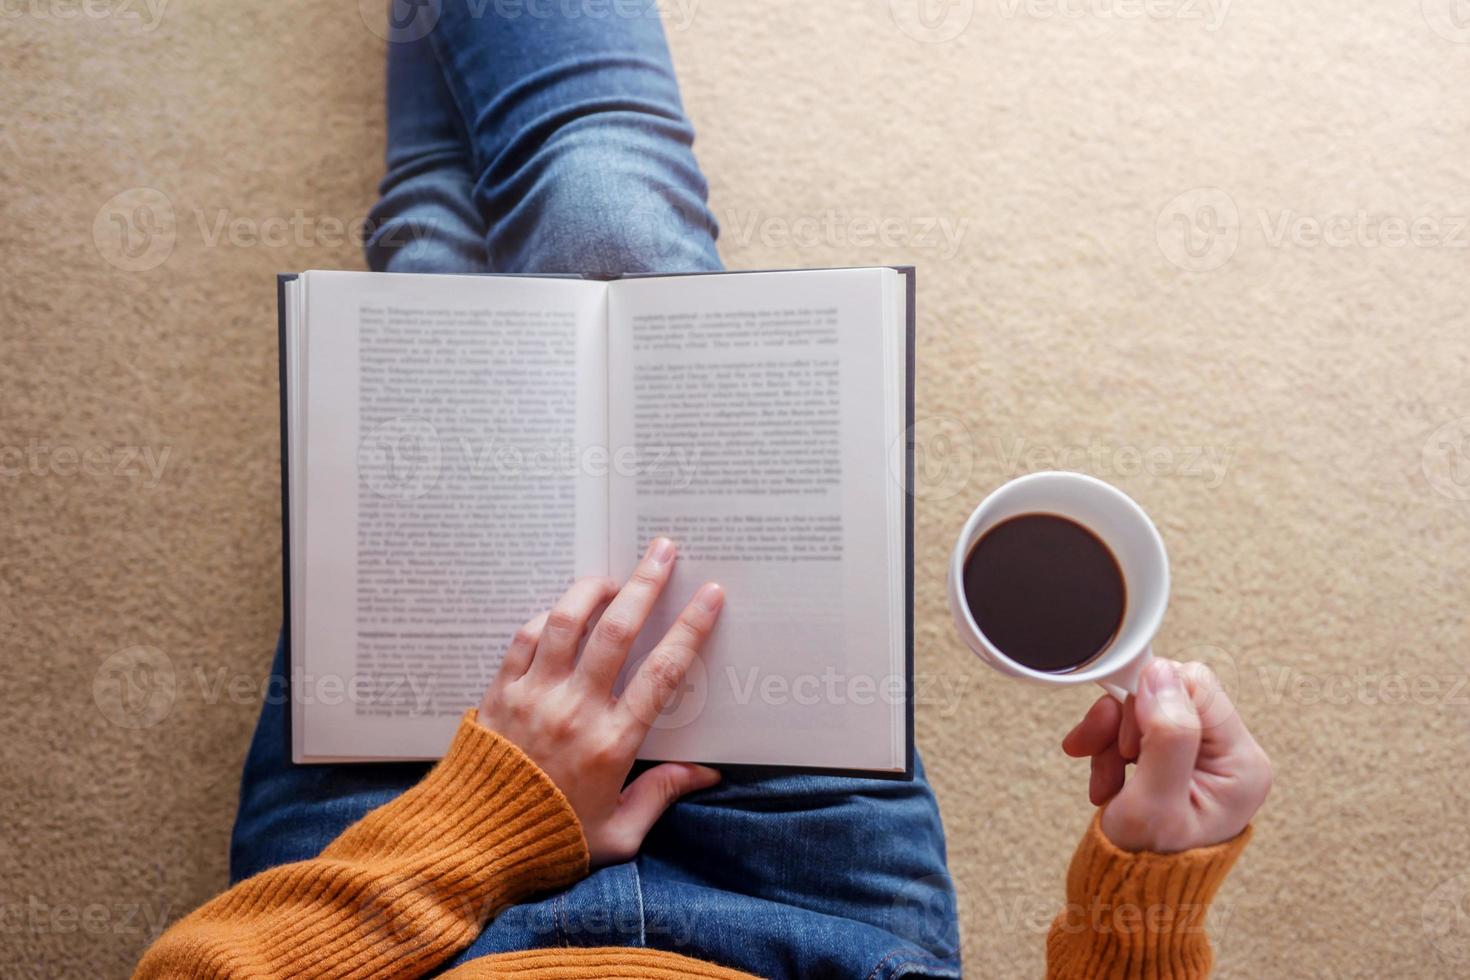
x=600, y=212
x=390, y=248
x=426, y=225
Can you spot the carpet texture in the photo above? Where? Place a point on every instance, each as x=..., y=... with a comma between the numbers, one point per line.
x=1215, y=253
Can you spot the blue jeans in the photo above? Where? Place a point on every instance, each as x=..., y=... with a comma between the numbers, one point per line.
x=552, y=143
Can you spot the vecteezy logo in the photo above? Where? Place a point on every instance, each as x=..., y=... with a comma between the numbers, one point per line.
x=1199, y=229
x=135, y=688
x=407, y=20
x=389, y=910
x=1212, y=709
x=1446, y=459
x=944, y=457
x=1450, y=19
x=400, y=459
x=653, y=237
x=135, y=230
x=1447, y=918
x=925, y=911
x=656, y=233
x=688, y=700
x=932, y=21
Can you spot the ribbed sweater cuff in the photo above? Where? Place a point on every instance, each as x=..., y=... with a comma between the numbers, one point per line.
x=1137, y=915
x=485, y=808
x=401, y=890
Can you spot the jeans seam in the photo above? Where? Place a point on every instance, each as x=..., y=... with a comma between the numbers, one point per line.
x=879, y=965
x=559, y=904
x=935, y=966
x=638, y=890
x=922, y=958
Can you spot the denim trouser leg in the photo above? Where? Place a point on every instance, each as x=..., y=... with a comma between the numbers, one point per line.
x=552, y=134
x=550, y=143
x=425, y=219
x=581, y=151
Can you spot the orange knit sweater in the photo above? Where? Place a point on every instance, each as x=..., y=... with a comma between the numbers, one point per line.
x=412, y=883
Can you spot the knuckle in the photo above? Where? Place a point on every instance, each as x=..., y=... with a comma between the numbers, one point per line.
x=1200, y=674
x=645, y=577
x=563, y=620
x=697, y=618
x=688, y=634
x=665, y=671
x=608, y=752
x=519, y=708
x=524, y=637
x=672, y=789
x=615, y=629
x=561, y=725
x=668, y=789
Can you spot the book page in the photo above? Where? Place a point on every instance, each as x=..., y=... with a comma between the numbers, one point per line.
x=453, y=490
x=761, y=409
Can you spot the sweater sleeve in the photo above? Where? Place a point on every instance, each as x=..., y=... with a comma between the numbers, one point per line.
x=401, y=890
x=1137, y=916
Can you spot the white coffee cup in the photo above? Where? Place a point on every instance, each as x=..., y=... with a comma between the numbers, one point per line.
x=1122, y=525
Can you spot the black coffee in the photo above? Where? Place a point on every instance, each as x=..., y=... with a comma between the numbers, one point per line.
x=1045, y=590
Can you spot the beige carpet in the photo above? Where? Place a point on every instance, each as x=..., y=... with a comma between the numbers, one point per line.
x=1217, y=254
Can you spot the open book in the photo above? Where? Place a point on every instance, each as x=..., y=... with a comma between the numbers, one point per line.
x=456, y=449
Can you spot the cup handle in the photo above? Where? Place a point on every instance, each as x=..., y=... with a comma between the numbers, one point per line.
x=1125, y=681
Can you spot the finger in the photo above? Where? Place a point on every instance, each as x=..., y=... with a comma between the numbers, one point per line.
x=1108, y=774
x=1222, y=724
x=1169, y=735
x=662, y=672
x=1128, y=734
x=566, y=623
x=646, y=798
x=521, y=651
x=607, y=649
x=1096, y=731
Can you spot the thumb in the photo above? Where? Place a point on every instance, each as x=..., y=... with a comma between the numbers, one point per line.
x=1169, y=734
x=646, y=798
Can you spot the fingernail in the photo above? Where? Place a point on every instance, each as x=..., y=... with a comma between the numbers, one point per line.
x=711, y=597
x=660, y=551
x=1166, y=684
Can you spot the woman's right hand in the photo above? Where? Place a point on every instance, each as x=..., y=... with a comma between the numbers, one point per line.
x=1201, y=776
x=554, y=698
